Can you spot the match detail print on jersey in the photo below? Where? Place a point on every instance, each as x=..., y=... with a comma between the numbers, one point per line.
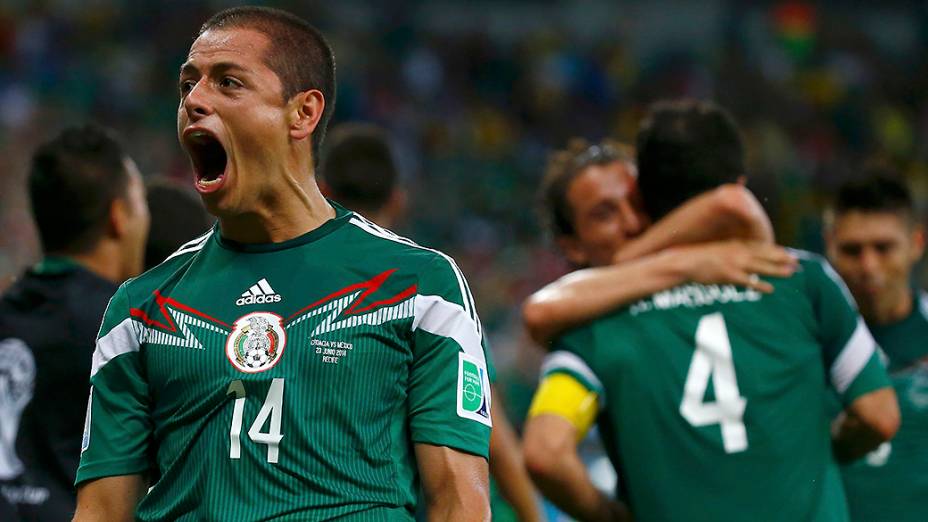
x=255, y=342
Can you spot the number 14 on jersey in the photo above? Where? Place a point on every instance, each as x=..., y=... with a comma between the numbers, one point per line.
x=272, y=408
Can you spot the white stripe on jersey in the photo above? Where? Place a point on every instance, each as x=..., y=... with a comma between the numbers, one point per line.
x=829, y=271
x=435, y=315
x=853, y=357
x=466, y=297
x=191, y=246
x=922, y=298
x=570, y=361
x=123, y=338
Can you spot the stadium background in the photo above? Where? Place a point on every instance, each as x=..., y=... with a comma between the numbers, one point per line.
x=475, y=93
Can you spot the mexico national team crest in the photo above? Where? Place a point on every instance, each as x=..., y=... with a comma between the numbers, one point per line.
x=256, y=342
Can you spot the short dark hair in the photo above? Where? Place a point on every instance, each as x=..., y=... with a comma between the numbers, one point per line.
x=686, y=147
x=563, y=167
x=878, y=190
x=177, y=216
x=73, y=180
x=298, y=53
x=358, y=167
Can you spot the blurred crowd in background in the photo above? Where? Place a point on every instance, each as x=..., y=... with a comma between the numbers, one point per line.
x=476, y=94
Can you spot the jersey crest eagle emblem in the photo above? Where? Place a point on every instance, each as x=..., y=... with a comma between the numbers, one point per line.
x=256, y=342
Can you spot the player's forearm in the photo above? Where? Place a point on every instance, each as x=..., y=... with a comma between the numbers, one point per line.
x=455, y=484
x=458, y=504
x=728, y=212
x=508, y=468
x=109, y=499
x=584, y=295
x=566, y=484
x=870, y=421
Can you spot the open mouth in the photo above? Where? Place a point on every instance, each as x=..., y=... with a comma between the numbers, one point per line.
x=209, y=160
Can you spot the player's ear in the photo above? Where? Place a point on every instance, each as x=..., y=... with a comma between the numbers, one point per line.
x=918, y=242
x=573, y=251
x=396, y=205
x=305, y=111
x=118, y=223
x=324, y=187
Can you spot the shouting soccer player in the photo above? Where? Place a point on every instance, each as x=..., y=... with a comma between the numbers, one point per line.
x=297, y=362
x=874, y=240
x=756, y=442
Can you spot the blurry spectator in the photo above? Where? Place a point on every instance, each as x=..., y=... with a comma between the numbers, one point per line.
x=359, y=171
x=177, y=216
x=88, y=201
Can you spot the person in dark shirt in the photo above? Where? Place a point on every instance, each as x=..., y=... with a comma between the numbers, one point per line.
x=88, y=201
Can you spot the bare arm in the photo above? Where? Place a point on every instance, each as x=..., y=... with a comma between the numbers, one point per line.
x=109, y=499
x=583, y=295
x=550, y=449
x=728, y=212
x=508, y=468
x=455, y=484
x=869, y=421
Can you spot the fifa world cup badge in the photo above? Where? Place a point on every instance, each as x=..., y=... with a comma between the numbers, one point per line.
x=256, y=343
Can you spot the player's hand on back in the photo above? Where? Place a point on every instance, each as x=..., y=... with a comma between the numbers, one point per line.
x=736, y=262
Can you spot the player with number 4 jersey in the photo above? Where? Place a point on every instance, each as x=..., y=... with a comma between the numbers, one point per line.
x=711, y=398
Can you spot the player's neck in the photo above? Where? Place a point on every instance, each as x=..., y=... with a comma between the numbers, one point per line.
x=296, y=209
x=104, y=260
x=892, y=311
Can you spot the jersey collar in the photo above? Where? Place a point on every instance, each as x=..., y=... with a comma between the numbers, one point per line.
x=342, y=215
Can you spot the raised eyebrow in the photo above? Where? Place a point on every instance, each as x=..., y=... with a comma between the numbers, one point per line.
x=215, y=69
x=188, y=68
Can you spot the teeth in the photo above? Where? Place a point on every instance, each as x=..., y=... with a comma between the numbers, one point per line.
x=207, y=183
x=199, y=135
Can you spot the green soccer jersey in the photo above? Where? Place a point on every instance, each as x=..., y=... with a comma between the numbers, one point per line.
x=712, y=397
x=891, y=483
x=287, y=381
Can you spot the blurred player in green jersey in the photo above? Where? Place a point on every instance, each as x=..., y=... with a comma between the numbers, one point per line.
x=296, y=362
x=874, y=240
x=360, y=171
x=711, y=397
x=590, y=204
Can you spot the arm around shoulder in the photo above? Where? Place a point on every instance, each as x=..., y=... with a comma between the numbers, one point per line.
x=727, y=212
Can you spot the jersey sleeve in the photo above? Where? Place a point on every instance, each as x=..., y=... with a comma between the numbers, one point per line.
x=449, y=385
x=851, y=354
x=118, y=427
x=569, y=387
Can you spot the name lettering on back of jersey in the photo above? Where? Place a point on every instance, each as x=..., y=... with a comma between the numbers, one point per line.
x=259, y=293
x=693, y=296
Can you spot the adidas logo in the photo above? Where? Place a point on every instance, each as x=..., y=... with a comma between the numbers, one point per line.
x=259, y=293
